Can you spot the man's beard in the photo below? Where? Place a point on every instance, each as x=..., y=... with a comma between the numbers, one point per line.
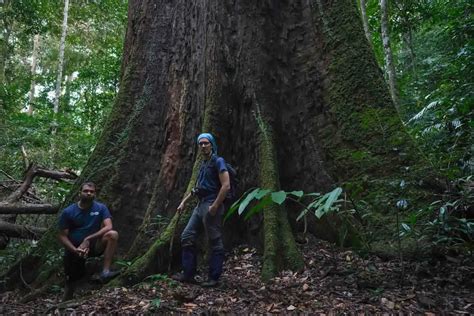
x=87, y=199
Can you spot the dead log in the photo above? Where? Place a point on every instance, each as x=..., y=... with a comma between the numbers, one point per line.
x=34, y=171
x=19, y=231
x=17, y=208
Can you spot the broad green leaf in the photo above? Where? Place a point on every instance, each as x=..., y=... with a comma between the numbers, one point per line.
x=258, y=207
x=319, y=212
x=279, y=197
x=236, y=205
x=247, y=200
x=332, y=197
x=316, y=203
x=262, y=193
x=296, y=193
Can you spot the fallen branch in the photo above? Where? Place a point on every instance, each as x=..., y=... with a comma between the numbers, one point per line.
x=34, y=171
x=17, y=208
x=55, y=174
x=19, y=231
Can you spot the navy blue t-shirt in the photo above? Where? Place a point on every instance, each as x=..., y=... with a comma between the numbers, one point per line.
x=82, y=223
x=208, y=177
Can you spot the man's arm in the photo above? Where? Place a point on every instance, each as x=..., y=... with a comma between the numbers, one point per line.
x=183, y=202
x=106, y=226
x=225, y=187
x=67, y=243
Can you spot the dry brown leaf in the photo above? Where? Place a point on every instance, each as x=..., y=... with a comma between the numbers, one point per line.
x=387, y=303
x=190, y=305
x=291, y=308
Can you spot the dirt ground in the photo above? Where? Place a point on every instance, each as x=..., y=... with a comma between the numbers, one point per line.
x=333, y=281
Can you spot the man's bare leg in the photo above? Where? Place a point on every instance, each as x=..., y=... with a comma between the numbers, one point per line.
x=109, y=240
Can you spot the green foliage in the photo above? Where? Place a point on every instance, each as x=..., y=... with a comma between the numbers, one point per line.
x=263, y=197
x=432, y=43
x=91, y=74
x=154, y=279
x=443, y=223
x=320, y=204
x=124, y=263
x=433, y=51
x=324, y=204
x=155, y=303
x=9, y=255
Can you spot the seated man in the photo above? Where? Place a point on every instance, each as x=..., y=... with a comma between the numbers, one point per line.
x=86, y=230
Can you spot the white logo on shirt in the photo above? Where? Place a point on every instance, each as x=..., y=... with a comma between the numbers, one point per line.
x=94, y=213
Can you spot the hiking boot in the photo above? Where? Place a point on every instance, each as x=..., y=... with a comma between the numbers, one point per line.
x=210, y=283
x=106, y=276
x=181, y=278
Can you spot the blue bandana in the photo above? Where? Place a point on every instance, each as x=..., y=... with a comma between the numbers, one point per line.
x=210, y=138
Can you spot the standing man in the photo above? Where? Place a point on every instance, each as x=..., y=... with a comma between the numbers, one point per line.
x=212, y=185
x=85, y=229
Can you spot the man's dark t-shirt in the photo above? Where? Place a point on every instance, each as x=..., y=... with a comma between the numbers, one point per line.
x=208, y=181
x=82, y=223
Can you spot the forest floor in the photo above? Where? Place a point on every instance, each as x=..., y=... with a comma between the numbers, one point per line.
x=334, y=281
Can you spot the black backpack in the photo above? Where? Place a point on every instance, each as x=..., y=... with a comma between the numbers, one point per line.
x=234, y=182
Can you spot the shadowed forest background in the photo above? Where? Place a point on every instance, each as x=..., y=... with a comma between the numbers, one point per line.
x=371, y=97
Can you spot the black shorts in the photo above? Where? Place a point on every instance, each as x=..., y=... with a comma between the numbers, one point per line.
x=75, y=266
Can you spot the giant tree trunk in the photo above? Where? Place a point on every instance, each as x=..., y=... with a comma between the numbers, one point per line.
x=291, y=89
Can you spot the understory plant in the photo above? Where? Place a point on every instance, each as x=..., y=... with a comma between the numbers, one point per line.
x=331, y=203
x=446, y=223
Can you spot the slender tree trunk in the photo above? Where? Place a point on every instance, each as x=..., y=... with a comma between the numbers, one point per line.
x=31, y=99
x=408, y=40
x=365, y=21
x=389, y=65
x=59, y=78
x=6, y=31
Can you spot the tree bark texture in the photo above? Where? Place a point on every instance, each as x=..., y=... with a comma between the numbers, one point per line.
x=290, y=89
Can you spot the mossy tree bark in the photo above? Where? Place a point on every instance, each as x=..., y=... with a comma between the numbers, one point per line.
x=291, y=89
